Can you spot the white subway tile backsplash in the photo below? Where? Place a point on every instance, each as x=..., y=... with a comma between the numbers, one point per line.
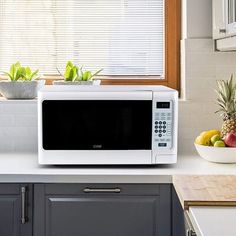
x=25, y=121
x=18, y=125
x=6, y=145
x=28, y=144
x=199, y=89
x=6, y=120
x=198, y=45
x=18, y=109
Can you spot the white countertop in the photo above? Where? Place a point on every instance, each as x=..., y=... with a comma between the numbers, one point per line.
x=23, y=167
x=213, y=221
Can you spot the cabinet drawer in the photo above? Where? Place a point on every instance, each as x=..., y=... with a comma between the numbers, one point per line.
x=8, y=189
x=98, y=189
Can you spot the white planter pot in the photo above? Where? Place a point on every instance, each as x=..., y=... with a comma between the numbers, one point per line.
x=20, y=89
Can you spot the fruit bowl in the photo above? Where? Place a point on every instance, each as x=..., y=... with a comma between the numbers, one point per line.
x=217, y=154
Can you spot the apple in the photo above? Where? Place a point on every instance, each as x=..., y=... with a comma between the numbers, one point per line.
x=230, y=140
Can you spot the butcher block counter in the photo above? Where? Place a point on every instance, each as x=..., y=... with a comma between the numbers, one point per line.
x=205, y=190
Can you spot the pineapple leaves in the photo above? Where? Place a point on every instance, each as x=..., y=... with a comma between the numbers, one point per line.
x=226, y=98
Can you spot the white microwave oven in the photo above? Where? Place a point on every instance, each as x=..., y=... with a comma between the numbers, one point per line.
x=107, y=125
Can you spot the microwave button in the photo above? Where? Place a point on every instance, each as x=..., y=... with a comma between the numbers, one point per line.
x=156, y=122
x=160, y=135
x=160, y=122
x=160, y=131
x=164, y=131
x=164, y=127
x=164, y=122
x=156, y=127
x=162, y=144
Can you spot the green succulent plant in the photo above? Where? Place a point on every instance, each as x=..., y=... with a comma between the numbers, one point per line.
x=87, y=75
x=18, y=72
x=73, y=73
x=30, y=75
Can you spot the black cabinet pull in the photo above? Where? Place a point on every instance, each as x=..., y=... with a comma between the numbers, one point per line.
x=24, y=217
x=102, y=190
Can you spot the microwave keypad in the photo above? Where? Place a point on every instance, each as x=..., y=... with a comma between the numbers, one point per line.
x=162, y=129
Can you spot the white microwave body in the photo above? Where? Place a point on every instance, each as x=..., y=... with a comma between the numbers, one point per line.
x=107, y=125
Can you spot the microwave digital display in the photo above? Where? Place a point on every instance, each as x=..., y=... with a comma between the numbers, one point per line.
x=163, y=105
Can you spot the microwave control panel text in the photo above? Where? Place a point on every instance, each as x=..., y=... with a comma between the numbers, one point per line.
x=163, y=124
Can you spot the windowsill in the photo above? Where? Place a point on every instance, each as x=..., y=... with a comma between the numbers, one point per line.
x=15, y=101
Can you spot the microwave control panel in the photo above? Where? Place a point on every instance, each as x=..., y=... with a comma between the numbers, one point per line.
x=163, y=117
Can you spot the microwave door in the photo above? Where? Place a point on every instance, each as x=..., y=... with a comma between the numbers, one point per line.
x=97, y=124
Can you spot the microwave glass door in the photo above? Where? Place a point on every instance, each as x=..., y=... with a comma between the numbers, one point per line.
x=97, y=124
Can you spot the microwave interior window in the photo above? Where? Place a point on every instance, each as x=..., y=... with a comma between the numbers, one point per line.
x=97, y=125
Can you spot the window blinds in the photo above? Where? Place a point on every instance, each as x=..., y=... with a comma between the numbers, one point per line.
x=124, y=37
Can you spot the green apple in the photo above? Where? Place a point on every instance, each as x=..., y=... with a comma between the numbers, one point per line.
x=219, y=144
x=215, y=138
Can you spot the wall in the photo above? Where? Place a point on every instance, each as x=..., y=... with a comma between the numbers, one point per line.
x=201, y=66
x=196, y=19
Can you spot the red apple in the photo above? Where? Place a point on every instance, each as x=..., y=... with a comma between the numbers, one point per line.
x=230, y=140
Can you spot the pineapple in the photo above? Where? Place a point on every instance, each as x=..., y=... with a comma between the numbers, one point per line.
x=227, y=105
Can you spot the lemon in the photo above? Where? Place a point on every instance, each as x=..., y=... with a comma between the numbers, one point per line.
x=200, y=140
x=203, y=133
x=203, y=140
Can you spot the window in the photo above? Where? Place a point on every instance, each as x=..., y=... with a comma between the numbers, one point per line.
x=129, y=39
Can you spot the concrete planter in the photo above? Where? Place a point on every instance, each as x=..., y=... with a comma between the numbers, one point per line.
x=20, y=89
x=90, y=82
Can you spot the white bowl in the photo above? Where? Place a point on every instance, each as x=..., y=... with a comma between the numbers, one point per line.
x=217, y=154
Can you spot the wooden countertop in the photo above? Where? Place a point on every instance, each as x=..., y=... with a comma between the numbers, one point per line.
x=205, y=190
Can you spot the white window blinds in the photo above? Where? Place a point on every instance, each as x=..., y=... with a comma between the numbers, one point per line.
x=124, y=37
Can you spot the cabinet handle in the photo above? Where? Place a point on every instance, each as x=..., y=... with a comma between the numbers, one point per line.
x=222, y=31
x=102, y=190
x=24, y=217
x=190, y=232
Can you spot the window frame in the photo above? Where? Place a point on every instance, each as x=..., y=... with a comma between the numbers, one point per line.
x=172, y=55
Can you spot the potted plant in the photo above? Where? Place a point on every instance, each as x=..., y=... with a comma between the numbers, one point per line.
x=74, y=75
x=21, y=83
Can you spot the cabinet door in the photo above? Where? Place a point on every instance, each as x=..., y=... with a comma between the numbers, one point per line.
x=12, y=202
x=135, y=211
x=220, y=15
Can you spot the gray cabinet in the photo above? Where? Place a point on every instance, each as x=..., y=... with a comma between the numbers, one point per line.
x=102, y=210
x=15, y=210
